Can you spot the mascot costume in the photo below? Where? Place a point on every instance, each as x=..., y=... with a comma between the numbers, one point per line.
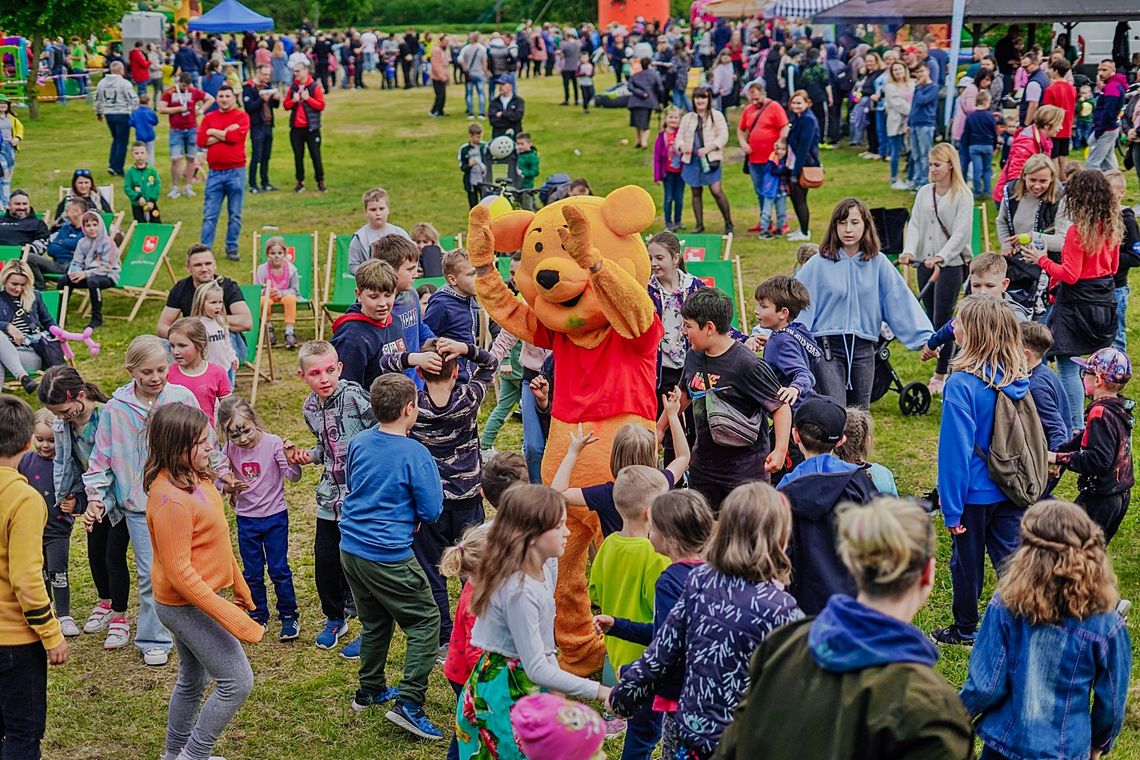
x=583, y=276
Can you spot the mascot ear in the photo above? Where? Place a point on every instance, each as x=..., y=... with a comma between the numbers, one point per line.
x=510, y=228
x=628, y=210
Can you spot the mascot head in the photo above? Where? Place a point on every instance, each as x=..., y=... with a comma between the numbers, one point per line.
x=550, y=280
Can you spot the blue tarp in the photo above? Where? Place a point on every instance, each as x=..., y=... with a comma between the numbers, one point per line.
x=231, y=16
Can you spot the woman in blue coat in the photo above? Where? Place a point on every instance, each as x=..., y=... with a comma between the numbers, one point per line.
x=803, y=150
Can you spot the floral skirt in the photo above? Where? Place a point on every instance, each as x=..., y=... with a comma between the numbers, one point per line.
x=483, y=715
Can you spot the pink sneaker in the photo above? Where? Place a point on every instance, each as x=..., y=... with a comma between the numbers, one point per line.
x=118, y=634
x=98, y=619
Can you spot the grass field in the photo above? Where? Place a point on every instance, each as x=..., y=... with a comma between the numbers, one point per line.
x=109, y=705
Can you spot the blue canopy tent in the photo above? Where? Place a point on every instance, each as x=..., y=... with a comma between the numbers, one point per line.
x=231, y=16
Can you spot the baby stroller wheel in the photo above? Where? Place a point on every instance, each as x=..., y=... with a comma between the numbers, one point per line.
x=914, y=399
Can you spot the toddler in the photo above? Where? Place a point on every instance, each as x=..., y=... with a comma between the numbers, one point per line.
x=209, y=308
x=585, y=76
x=667, y=169
x=774, y=192
x=527, y=159
x=281, y=280
x=474, y=163
x=257, y=461
x=857, y=444
x=207, y=381
x=144, y=120
x=142, y=185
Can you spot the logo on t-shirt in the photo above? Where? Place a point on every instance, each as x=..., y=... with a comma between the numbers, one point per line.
x=251, y=470
x=697, y=384
x=395, y=347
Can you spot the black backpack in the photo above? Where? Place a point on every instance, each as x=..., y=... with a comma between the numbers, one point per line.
x=841, y=80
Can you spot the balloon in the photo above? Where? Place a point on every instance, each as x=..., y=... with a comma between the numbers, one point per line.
x=64, y=336
x=496, y=204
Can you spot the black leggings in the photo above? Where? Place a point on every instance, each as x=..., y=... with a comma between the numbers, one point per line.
x=938, y=303
x=107, y=557
x=332, y=588
x=299, y=138
x=798, y=194
x=569, y=78
x=872, y=133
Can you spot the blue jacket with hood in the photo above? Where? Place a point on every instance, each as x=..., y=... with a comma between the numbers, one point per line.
x=450, y=314
x=968, y=421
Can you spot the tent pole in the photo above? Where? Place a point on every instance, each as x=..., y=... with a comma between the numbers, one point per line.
x=957, y=20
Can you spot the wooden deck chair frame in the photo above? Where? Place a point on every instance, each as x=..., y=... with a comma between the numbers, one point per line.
x=331, y=275
x=147, y=290
x=261, y=351
x=107, y=191
x=24, y=249
x=314, y=300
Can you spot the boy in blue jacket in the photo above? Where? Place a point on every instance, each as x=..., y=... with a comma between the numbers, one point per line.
x=1045, y=387
x=453, y=311
x=774, y=192
x=368, y=330
x=144, y=120
x=790, y=349
x=403, y=256
x=393, y=489
x=814, y=489
x=921, y=122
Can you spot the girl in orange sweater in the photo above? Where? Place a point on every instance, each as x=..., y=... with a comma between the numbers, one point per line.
x=193, y=562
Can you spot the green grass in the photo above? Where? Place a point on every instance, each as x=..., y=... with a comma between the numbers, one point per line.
x=108, y=705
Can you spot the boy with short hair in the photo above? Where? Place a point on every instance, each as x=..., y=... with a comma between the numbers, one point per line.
x=142, y=186
x=30, y=636
x=500, y=472
x=527, y=159
x=716, y=365
x=814, y=489
x=393, y=490
x=1101, y=454
x=404, y=258
x=376, y=211
x=921, y=123
x=790, y=349
x=453, y=311
x=447, y=425
x=1083, y=121
x=144, y=120
x=474, y=162
x=1045, y=386
x=335, y=412
x=367, y=331
x=988, y=277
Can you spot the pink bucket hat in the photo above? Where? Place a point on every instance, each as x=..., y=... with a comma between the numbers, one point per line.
x=551, y=727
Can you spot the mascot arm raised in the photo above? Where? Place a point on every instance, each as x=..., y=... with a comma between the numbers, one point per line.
x=624, y=300
x=511, y=313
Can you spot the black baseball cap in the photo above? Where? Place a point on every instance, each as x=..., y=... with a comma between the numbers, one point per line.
x=825, y=414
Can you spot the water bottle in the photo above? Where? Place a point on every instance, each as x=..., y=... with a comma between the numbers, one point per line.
x=705, y=164
x=1038, y=246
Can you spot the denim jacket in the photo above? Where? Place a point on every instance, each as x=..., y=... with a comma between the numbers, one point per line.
x=1029, y=685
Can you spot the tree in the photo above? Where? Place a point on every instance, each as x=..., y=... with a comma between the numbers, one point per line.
x=48, y=19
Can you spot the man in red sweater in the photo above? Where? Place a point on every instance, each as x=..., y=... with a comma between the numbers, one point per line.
x=222, y=133
x=1063, y=94
x=140, y=67
x=304, y=101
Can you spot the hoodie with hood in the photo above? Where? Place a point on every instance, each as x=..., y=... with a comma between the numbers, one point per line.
x=851, y=296
x=96, y=255
x=968, y=422
x=25, y=610
x=814, y=489
x=795, y=357
x=1106, y=111
x=334, y=421
x=114, y=474
x=360, y=341
x=450, y=314
x=1101, y=454
x=865, y=684
x=29, y=230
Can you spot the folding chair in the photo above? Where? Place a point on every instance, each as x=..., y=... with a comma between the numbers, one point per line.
x=9, y=252
x=450, y=242
x=980, y=241
x=301, y=250
x=256, y=349
x=727, y=276
x=705, y=246
x=340, y=284
x=144, y=250
x=107, y=191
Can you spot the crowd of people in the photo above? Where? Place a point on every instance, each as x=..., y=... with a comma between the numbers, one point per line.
x=757, y=572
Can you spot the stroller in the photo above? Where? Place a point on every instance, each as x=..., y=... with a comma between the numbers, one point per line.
x=914, y=398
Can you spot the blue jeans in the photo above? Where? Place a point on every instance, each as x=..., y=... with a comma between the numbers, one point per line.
x=894, y=151
x=534, y=441
x=479, y=86
x=1070, y=375
x=150, y=633
x=674, y=197
x=23, y=700
x=119, y=124
x=982, y=160
x=228, y=184
x=777, y=206
x=642, y=733
x=263, y=543
x=992, y=529
x=1121, y=341
x=921, y=141
x=681, y=100
x=7, y=166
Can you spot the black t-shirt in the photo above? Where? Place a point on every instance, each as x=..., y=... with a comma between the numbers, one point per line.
x=600, y=499
x=746, y=382
x=182, y=295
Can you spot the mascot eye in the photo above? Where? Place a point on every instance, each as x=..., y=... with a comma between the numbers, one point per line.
x=538, y=247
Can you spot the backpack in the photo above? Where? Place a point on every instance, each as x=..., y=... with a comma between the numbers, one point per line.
x=1017, y=460
x=840, y=77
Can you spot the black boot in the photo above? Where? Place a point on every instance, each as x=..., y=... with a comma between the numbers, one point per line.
x=96, y=310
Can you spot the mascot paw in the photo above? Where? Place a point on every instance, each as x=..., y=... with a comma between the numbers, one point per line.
x=480, y=239
x=576, y=238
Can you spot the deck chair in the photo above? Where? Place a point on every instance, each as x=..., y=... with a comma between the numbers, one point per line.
x=256, y=349
x=144, y=251
x=301, y=250
x=450, y=242
x=107, y=191
x=9, y=252
x=727, y=276
x=981, y=239
x=705, y=246
x=340, y=285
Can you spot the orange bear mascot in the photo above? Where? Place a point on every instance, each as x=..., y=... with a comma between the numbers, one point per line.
x=583, y=276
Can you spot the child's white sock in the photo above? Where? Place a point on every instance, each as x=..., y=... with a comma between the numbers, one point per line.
x=288, y=329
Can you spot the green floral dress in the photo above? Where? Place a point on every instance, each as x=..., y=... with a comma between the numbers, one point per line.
x=483, y=715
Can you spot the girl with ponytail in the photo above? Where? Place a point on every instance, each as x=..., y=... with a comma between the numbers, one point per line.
x=1052, y=643
x=858, y=680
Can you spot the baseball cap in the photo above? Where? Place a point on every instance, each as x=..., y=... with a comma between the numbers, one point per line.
x=1111, y=364
x=506, y=79
x=825, y=414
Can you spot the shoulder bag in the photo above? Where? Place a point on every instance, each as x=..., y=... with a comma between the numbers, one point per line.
x=751, y=129
x=728, y=425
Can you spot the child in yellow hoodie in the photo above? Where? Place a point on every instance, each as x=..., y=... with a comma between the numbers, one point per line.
x=29, y=632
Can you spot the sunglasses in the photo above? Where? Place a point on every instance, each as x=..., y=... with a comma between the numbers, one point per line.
x=1086, y=372
x=82, y=172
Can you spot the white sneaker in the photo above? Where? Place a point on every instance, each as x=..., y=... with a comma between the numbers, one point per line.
x=98, y=619
x=118, y=634
x=68, y=627
x=156, y=656
x=798, y=237
x=188, y=192
x=900, y=185
x=174, y=192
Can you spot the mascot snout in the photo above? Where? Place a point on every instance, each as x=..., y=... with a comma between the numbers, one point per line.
x=558, y=280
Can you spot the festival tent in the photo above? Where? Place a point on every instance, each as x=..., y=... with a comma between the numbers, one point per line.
x=231, y=16
x=979, y=11
x=804, y=9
